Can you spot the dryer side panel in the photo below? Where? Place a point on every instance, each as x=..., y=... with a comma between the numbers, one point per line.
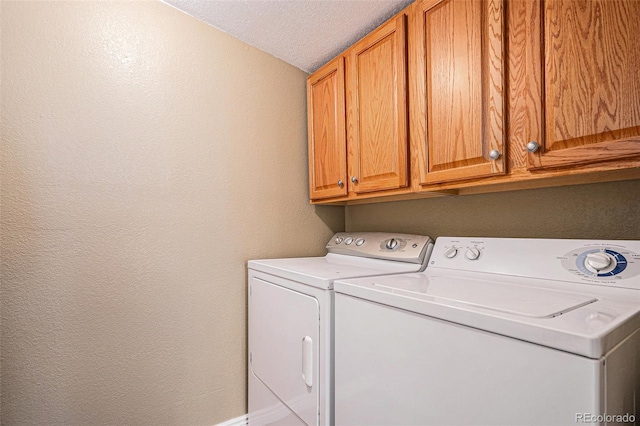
x=265, y=409
x=284, y=345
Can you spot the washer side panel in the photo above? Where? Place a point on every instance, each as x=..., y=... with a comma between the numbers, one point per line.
x=622, y=375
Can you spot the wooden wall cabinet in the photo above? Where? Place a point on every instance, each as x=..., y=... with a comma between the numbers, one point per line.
x=590, y=75
x=459, y=96
x=471, y=96
x=372, y=87
x=377, y=117
x=327, y=137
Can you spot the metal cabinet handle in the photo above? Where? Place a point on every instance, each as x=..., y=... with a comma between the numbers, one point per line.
x=532, y=146
x=340, y=183
x=494, y=154
x=354, y=179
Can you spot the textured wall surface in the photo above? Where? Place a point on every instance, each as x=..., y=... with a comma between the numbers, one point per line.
x=597, y=211
x=145, y=158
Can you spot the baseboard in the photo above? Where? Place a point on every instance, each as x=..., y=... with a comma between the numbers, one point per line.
x=238, y=421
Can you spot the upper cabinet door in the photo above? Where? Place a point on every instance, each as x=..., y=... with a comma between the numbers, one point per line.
x=459, y=121
x=327, y=137
x=377, y=109
x=591, y=82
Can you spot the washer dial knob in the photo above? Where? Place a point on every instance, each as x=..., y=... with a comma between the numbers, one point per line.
x=392, y=244
x=472, y=253
x=450, y=253
x=598, y=261
x=348, y=240
x=603, y=264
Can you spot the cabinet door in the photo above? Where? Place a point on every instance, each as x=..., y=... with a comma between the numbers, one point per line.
x=377, y=109
x=591, y=82
x=327, y=138
x=459, y=89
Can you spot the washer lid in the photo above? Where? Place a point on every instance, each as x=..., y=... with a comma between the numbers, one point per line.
x=551, y=313
x=521, y=301
x=321, y=272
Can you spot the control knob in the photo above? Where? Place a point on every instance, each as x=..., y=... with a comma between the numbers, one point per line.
x=598, y=261
x=392, y=244
x=348, y=240
x=450, y=253
x=472, y=253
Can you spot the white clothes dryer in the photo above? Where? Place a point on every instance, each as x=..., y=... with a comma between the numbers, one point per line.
x=494, y=332
x=291, y=322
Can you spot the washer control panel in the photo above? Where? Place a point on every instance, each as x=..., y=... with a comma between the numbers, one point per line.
x=602, y=263
x=381, y=245
x=610, y=263
x=469, y=250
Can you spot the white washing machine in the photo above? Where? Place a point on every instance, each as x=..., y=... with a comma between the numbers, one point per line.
x=494, y=332
x=291, y=322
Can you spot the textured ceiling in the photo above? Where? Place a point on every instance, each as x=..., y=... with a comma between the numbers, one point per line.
x=304, y=33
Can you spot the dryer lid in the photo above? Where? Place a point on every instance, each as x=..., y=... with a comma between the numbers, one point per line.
x=321, y=272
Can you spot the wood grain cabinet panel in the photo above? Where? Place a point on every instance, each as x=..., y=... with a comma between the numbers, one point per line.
x=424, y=105
x=591, y=82
x=327, y=137
x=459, y=89
x=377, y=109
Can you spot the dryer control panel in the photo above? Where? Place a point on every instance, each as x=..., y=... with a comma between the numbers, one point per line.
x=610, y=263
x=381, y=245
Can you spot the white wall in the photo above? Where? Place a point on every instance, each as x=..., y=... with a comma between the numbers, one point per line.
x=145, y=158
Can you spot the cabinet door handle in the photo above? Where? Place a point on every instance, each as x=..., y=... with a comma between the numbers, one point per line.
x=354, y=179
x=532, y=146
x=307, y=360
x=494, y=154
x=340, y=183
